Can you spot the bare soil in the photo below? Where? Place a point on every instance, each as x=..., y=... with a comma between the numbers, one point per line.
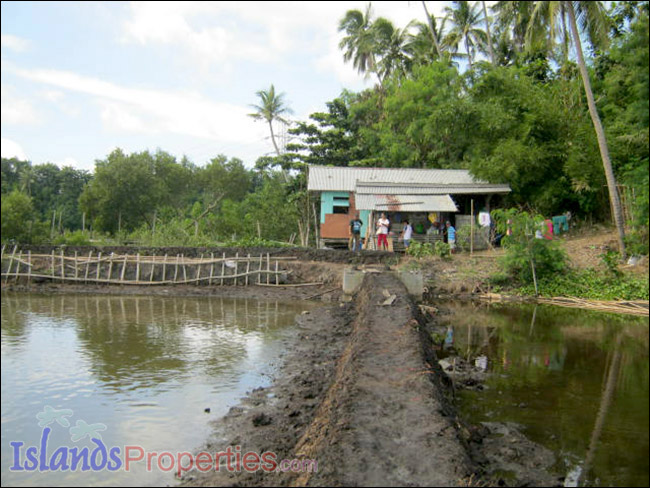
x=361, y=392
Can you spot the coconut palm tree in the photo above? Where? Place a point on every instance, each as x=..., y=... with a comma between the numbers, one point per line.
x=392, y=48
x=431, y=20
x=594, y=23
x=466, y=18
x=489, y=37
x=272, y=107
x=513, y=18
x=359, y=43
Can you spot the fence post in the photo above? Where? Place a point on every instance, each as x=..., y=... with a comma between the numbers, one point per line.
x=223, y=267
x=99, y=264
x=248, y=267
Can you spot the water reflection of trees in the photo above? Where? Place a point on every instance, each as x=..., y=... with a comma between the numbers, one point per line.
x=582, y=376
x=137, y=341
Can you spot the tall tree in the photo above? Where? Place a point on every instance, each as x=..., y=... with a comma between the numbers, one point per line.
x=272, y=107
x=466, y=18
x=392, y=49
x=359, y=41
x=431, y=21
x=594, y=23
x=489, y=36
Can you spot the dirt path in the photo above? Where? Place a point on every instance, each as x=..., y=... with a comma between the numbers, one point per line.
x=383, y=422
x=356, y=395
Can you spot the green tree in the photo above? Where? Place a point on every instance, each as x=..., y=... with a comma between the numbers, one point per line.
x=19, y=219
x=272, y=108
x=359, y=43
x=124, y=192
x=466, y=17
x=594, y=23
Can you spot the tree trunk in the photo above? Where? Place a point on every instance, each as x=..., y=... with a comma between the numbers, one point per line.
x=275, y=145
x=600, y=134
x=469, y=54
x=433, y=32
x=489, y=37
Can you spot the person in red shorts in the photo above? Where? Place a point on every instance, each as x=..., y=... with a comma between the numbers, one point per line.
x=382, y=232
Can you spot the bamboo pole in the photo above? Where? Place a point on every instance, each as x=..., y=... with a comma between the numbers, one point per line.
x=236, y=266
x=99, y=266
x=471, y=233
x=123, y=270
x=184, y=268
x=133, y=282
x=277, y=277
x=198, y=271
x=176, y=269
x=164, y=268
x=259, y=271
x=223, y=267
x=90, y=254
x=62, y=266
x=110, y=267
x=153, y=267
x=137, y=267
x=268, y=267
x=248, y=267
x=76, y=269
x=29, y=267
x=11, y=261
x=20, y=255
x=211, y=268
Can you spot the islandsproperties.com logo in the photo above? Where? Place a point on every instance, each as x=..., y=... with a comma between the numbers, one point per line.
x=99, y=457
x=65, y=458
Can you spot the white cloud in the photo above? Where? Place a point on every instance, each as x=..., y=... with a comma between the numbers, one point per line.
x=11, y=149
x=151, y=111
x=14, y=43
x=254, y=31
x=17, y=110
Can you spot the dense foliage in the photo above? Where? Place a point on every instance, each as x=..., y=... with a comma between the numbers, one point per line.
x=520, y=119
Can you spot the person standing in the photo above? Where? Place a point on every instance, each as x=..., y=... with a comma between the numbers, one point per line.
x=355, y=232
x=382, y=231
x=407, y=234
x=451, y=237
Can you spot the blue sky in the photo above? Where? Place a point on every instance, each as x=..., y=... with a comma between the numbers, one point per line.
x=82, y=78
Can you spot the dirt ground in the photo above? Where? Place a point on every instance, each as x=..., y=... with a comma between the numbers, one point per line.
x=361, y=392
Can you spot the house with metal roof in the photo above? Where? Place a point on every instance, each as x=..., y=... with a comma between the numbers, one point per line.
x=423, y=196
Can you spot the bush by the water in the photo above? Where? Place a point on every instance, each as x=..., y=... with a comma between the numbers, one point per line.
x=591, y=284
x=525, y=252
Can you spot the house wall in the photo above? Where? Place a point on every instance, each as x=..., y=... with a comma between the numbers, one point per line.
x=335, y=226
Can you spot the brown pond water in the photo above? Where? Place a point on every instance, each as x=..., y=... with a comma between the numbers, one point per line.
x=133, y=370
x=576, y=381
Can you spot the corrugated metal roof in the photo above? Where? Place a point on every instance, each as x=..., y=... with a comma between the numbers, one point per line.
x=418, y=189
x=334, y=178
x=406, y=203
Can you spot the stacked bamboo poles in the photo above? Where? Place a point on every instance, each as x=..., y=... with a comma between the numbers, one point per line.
x=89, y=269
x=632, y=307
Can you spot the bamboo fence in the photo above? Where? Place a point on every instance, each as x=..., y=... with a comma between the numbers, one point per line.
x=127, y=269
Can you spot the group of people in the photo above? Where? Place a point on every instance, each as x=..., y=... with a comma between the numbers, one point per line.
x=382, y=229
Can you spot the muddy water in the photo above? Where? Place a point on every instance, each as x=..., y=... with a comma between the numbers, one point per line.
x=576, y=381
x=137, y=371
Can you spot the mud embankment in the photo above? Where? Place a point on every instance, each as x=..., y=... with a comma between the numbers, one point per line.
x=360, y=393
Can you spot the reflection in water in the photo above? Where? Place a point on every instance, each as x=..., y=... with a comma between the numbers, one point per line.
x=146, y=367
x=578, y=382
